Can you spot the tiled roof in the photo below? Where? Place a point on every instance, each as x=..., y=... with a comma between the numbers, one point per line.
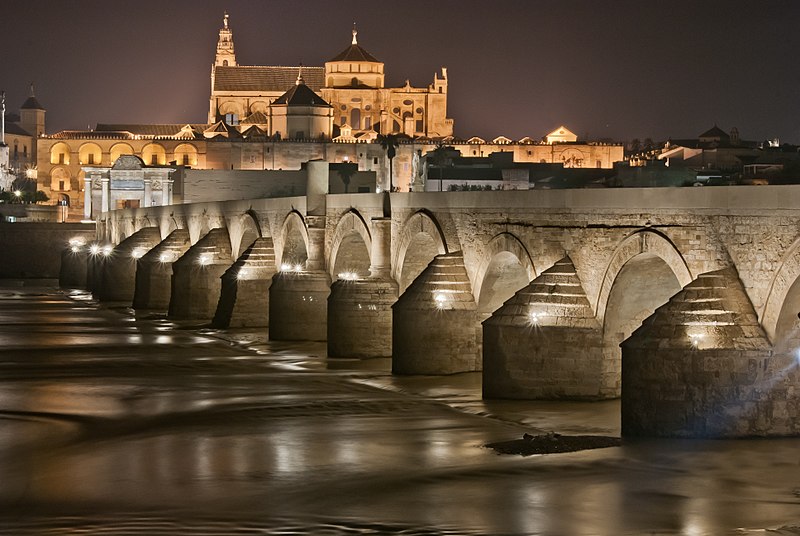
x=17, y=130
x=714, y=132
x=147, y=130
x=257, y=118
x=355, y=53
x=265, y=78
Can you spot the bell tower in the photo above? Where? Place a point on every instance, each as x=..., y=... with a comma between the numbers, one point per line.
x=226, y=57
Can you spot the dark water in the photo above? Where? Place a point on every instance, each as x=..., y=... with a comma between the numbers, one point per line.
x=111, y=424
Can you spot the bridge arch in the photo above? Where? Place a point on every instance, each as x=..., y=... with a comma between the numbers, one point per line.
x=294, y=240
x=351, y=246
x=641, y=242
x=243, y=230
x=782, y=305
x=423, y=232
x=198, y=227
x=168, y=224
x=645, y=271
x=505, y=268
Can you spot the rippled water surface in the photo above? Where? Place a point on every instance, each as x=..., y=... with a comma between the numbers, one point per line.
x=113, y=424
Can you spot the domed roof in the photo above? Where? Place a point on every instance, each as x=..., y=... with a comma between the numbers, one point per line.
x=355, y=52
x=31, y=103
x=301, y=95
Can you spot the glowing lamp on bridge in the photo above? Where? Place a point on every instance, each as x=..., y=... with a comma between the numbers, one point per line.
x=204, y=259
x=241, y=274
x=440, y=299
x=94, y=249
x=348, y=276
x=535, y=318
x=107, y=251
x=77, y=242
x=164, y=257
x=695, y=339
x=137, y=253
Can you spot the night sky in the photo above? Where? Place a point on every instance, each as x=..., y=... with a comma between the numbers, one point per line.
x=619, y=69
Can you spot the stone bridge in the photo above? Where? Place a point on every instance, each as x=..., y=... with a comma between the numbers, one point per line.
x=683, y=301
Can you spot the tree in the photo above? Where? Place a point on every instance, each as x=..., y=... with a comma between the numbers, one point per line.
x=440, y=157
x=389, y=143
x=346, y=171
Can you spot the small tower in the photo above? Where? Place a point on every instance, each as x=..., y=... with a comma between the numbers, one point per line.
x=31, y=116
x=226, y=57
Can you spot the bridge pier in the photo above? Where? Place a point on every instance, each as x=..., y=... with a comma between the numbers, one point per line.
x=702, y=367
x=98, y=256
x=74, y=267
x=196, y=277
x=435, y=321
x=360, y=311
x=154, y=271
x=119, y=269
x=298, y=301
x=360, y=318
x=244, y=298
x=544, y=343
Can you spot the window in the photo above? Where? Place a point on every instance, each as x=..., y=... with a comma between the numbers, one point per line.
x=60, y=158
x=599, y=163
x=343, y=120
x=24, y=150
x=375, y=160
x=367, y=123
x=419, y=125
x=154, y=160
x=91, y=159
x=16, y=151
x=61, y=185
x=186, y=159
x=529, y=153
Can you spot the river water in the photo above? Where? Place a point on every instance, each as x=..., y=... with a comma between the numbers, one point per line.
x=116, y=424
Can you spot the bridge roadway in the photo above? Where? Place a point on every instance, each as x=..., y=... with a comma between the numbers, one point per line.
x=683, y=301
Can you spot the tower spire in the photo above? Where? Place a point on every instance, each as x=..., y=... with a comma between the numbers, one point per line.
x=300, y=80
x=225, y=52
x=355, y=34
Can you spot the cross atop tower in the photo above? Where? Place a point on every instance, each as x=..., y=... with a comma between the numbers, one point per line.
x=355, y=34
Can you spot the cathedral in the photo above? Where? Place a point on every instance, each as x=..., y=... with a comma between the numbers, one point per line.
x=280, y=117
x=350, y=89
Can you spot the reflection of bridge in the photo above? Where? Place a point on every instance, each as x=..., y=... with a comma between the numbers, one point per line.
x=559, y=278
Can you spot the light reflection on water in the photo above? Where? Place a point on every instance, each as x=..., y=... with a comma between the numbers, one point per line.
x=210, y=439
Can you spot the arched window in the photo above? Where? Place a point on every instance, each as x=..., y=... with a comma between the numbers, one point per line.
x=154, y=154
x=59, y=154
x=120, y=149
x=90, y=154
x=186, y=154
x=59, y=179
x=355, y=118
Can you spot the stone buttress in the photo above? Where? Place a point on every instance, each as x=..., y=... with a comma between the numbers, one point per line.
x=702, y=367
x=244, y=298
x=544, y=342
x=435, y=321
x=196, y=277
x=119, y=269
x=154, y=271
